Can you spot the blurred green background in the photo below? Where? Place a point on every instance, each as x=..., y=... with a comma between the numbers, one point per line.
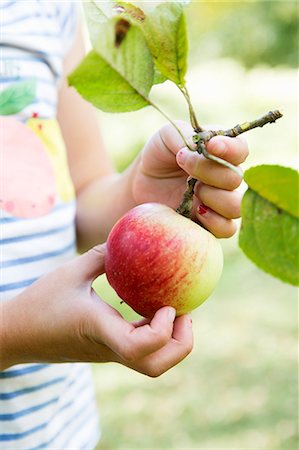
x=239, y=387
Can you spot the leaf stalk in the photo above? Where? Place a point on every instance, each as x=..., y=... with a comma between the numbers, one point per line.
x=172, y=123
x=193, y=119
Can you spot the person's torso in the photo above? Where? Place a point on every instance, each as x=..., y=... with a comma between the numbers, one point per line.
x=41, y=405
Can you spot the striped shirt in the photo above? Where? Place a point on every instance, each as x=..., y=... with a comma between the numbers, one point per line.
x=41, y=405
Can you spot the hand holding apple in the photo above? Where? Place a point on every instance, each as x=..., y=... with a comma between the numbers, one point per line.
x=59, y=318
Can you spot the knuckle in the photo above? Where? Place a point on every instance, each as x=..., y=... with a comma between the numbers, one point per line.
x=246, y=151
x=129, y=357
x=235, y=209
x=129, y=352
x=153, y=371
x=227, y=230
x=165, y=130
x=165, y=335
x=193, y=164
x=186, y=348
x=243, y=144
x=185, y=126
x=168, y=129
x=233, y=181
x=161, y=337
x=98, y=250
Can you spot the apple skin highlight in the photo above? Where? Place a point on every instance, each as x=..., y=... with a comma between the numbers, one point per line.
x=156, y=257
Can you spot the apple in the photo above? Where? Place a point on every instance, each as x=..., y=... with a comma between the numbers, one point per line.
x=155, y=257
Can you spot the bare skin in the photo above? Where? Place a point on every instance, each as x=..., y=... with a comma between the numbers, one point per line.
x=60, y=319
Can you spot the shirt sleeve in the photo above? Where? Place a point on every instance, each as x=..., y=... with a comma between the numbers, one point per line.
x=68, y=16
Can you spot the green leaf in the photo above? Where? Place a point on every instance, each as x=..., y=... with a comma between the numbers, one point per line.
x=125, y=38
x=130, y=12
x=123, y=46
x=165, y=31
x=96, y=16
x=95, y=13
x=270, y=229
x=17, y=96
x=104, y=87
x=279, y=185
x=158, y=77
x=120, y=78
x=127, y=11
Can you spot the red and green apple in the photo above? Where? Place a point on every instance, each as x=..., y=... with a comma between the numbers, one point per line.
x=155, y=257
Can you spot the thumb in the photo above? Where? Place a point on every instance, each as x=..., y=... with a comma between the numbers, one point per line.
x=91, y=263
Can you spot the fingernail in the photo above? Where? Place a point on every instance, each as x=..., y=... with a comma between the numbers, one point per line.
x=182, y=155
x=171, y=313
x=202, y=209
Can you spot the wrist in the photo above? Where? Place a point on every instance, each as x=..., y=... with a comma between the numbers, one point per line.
x=7, y=345
x=128, y=179
x=101, y=203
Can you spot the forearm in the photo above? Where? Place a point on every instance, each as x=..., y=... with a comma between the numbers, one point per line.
x=100, y=204
x=28, y=331
x=50, y=321
x=15, y=333
x=5, y=352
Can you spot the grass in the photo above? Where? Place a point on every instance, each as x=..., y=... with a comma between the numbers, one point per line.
x=239, y=387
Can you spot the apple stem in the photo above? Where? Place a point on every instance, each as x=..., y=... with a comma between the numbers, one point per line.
x=185, y=208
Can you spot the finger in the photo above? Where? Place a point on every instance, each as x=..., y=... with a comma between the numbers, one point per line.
x=225, y=203
x=158, y=155
x=214, y=222
x=182, y=330
x=132, y=343
x=172, y=140
x=140, y=322
x=88, y=266
x=208, y=172
x=234, y=150
x=172, y=353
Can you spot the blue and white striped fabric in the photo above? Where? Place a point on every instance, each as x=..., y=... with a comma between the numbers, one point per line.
x=47, y=406
x=32, y=247
x=42, y=406
x=46, y=26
